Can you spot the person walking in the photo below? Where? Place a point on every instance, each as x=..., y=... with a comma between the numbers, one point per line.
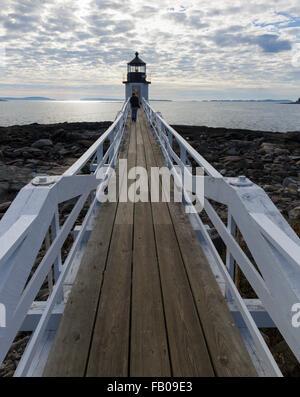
x=135, y=104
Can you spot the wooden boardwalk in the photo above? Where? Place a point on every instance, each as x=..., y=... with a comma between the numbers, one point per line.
x=145, y=302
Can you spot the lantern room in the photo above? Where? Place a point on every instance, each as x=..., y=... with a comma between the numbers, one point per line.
x=136, y=78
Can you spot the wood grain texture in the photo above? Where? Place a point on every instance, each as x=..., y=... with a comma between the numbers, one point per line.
x=188, y=350
x=110, y=341
x=227, y=350
x=149, y=349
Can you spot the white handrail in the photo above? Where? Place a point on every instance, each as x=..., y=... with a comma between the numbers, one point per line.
x=27, y=223
x=273, y=244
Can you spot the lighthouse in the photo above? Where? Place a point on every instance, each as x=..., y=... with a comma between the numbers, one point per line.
x=136, y=79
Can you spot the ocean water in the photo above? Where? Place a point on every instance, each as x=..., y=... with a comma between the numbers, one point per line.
x=253, y=116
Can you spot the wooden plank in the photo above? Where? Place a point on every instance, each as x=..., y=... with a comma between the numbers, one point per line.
x=227, y=350
x=188, y=350
x=149, y=348
x=69, y=353
x=110, y=341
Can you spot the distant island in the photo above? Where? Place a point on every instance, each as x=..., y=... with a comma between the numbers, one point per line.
x=295, y=103
x=29, y=98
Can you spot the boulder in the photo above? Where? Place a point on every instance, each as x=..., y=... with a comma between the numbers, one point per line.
x=41, y=143
x=294, y=214
x=232, y=152
x=289, y=181
x=235, y=161
x=267, y=147
x=281, y=151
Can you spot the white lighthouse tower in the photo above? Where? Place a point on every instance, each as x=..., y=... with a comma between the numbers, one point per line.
x=136, y=79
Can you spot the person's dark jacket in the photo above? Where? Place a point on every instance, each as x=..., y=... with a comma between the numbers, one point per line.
x=134, y=101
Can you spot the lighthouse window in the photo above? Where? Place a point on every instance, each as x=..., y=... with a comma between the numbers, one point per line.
x=136, y=69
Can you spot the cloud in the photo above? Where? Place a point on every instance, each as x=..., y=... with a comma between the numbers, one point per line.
x=272, y=43
x=88, y=42
x=269, y=43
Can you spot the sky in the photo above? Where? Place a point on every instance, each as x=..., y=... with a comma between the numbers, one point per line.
x=194, y=50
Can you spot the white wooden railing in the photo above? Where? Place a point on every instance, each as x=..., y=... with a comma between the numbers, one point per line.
x=273, y=273
x=31, y=223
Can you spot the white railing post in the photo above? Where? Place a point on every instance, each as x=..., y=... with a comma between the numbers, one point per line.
x=230, y=263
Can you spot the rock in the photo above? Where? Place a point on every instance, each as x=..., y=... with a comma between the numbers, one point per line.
x=289, y=181
x=4, y=206
x=235, y=161
x=4, y=189
x=293, y=205
x=15, y=187
x=232, y=152
x=270, y=188
x=292, y=188
x=295, y=158
x=74, y=136
x=4, y=186
x=11, y=154
x=294, y=214
x=33, y=162
x=267, y=147
x=231, y=159
x=293, y=136
x=281, y=151
x=34, y=152
x=244, y=144
x=41, y=143
x=281, y=159
x=20, y=342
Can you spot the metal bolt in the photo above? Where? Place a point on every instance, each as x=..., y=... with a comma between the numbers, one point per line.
x=240, y=181
x=44, y=180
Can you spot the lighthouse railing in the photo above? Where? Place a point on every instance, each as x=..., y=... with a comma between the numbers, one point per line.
x=258, y=240
x=39, y=244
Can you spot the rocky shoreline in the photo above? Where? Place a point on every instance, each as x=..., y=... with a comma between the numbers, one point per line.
x=271, y=160
x=38, y=149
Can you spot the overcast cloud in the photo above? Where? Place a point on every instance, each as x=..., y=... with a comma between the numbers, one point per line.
x=193, y=49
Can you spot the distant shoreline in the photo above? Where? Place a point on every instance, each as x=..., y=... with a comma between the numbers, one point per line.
x=100, y=99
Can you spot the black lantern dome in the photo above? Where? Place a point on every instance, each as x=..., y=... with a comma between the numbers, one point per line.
x=136, y=71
